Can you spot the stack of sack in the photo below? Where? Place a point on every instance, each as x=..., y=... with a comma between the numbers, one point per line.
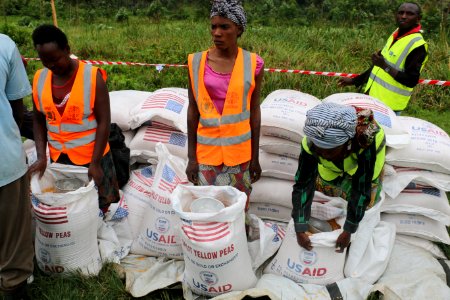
x=416, y=186
x=161, y=117
x=283, y=115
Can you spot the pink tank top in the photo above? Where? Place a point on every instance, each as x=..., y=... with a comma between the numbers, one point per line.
x=217, y=83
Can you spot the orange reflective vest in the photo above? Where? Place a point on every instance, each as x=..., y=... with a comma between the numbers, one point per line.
x=224, y=138
x=74, y=132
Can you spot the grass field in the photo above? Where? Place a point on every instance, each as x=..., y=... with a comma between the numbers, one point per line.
x=319, y=47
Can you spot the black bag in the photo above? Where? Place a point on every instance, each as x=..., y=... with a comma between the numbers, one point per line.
x=120, y=153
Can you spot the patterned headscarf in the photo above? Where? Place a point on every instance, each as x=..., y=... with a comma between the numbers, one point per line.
x=230, y=9
x=330, y=125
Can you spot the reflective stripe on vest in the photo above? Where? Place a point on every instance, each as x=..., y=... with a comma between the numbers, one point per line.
x=382, y=85
x=72, y=143
x=224, y=141
x=329, y=171
x=86, y=123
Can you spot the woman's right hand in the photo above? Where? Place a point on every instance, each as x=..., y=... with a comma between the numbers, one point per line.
x=38, y=166
x=192, y=171
x=304, y=241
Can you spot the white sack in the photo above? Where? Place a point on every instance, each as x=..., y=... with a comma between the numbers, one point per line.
x=396, y=135
x=272, y=190
x=66, y=223
x=400, y=178
x=413, y=274
x=146, y=138
x=121, y=103
x=167, y=105
x=214, y=244
x=157, y=233
x=276, y=145
x=422, y=200
x=421, y=243
x=277, y=166
x=321, y=265
x=137, y=194
x=419, y=226
x=270, y=211
x=429, y=148
x=283, y=114
x=129, y=135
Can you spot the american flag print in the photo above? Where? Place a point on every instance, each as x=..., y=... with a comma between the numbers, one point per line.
x=49, y=214
x=415, y=188
x=164, y=100
x=169, y=179
x=205, y=231
x=145, y=175
x=176, y=138
x=380, y=113
x=280, y=232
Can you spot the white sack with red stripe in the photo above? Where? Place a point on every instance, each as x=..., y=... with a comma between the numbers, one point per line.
x=122, y=102
x=167, y=105
x=399, y=178
x=283, y=114
x=396, y=135
x=157, y=233
x=137, y=195
x=421, y=200
x=321, y=265
x=142, y=147
x=277, y=166
x=66, y=223
x=429, y=148
x=215, y=246
x=276, y=145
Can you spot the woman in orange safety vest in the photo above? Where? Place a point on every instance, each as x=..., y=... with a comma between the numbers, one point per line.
x=72, y=113
x=224, y=115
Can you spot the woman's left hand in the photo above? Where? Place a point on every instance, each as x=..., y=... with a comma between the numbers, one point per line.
x=255, y=170
x=95, y=172
x=343, y=241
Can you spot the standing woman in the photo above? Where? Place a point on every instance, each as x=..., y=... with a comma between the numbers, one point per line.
x=224, y=116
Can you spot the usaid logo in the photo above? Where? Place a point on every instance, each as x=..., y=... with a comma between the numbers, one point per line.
x=308, y=258
x=209, y=278
x=162, y=224
x=45, y=256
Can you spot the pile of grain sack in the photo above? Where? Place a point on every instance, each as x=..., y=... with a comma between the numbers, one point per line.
x=153, y=218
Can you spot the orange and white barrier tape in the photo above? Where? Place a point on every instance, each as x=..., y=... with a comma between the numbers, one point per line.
x=159, y=67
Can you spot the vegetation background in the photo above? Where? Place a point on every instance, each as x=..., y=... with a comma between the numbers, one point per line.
x=319, y=35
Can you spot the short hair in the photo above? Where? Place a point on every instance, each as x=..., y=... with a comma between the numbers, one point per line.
x=419, y=9
x=49, y=34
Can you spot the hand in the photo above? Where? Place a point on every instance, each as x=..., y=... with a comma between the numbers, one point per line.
x=192, y=171
x=38, y=166
x=378, y=60
x=304, y=241
x=343, y=241
x=345, y=81
x=95, y=172
x=255, y=170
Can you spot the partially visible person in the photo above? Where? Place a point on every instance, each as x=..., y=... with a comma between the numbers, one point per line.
x=224, y=115
x=72, y=113
x=342, y=155
x=396, y=69
x=16, y=246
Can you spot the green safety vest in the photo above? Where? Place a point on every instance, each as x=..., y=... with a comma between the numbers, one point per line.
x=382, y=85
x=329, y=171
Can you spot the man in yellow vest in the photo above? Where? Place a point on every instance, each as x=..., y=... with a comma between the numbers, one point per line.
x=72, y=113
x=396, y=68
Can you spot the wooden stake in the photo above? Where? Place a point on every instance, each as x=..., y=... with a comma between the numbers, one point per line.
x=55, y=21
